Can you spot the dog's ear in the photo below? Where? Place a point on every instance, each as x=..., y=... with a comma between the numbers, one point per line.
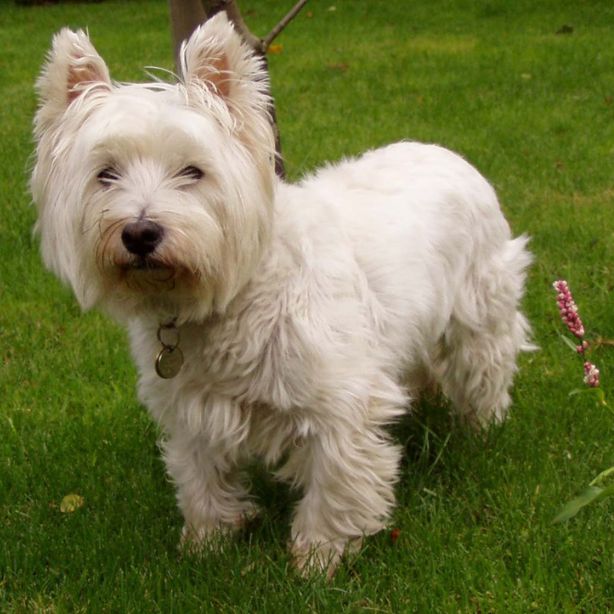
x=216, y=58
x=73, y=68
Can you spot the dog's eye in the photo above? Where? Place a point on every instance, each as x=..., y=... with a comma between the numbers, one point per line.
x=191, y=172
x=107, y=176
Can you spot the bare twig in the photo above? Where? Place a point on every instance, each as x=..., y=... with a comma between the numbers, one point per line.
x=292, y=13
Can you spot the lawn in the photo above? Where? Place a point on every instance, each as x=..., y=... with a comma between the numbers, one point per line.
x=525, y=91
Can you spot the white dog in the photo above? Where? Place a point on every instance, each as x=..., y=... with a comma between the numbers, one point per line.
x=285, y=322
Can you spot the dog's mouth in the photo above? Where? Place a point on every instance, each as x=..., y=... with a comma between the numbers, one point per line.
x=147, y=274
x=143, y=273
x=146, y=263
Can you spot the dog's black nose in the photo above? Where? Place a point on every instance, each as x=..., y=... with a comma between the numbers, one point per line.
x=141, y=237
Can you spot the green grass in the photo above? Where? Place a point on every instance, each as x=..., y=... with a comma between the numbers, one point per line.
x=492, y=79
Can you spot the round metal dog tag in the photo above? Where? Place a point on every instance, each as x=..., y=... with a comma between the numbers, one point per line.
x=169, y=362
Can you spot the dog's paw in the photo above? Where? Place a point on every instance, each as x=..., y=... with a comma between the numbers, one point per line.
x=312, y=556
x=213, y=534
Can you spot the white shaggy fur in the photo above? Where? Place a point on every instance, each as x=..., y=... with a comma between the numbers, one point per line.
x=307, y=313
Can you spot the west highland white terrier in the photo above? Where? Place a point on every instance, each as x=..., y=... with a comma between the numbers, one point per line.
x=290, y=323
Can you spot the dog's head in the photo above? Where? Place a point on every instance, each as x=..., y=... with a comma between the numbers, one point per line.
x=155, y=197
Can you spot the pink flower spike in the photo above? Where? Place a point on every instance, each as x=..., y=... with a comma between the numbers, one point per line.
x=568, y=308
x=591, y=375
x=582, y=347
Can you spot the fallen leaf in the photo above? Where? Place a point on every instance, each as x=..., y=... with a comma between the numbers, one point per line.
x=275, y=49
x=71, y=503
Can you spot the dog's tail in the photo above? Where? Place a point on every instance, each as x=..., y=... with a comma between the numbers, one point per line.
x=516, y=259
x=493, y=290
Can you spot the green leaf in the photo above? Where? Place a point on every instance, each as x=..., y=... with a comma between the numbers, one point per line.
x=598, y=392
x=602, y=476
x=569, y=342
x=591, y=495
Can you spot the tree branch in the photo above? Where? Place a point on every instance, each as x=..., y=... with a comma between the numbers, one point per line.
x=259, y=45
x=292, y=13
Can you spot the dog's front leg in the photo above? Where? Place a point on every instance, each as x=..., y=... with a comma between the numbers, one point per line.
x=209, y=491
x=348, y=476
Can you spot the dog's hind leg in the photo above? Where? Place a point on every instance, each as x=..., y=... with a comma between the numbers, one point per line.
x=477, y=354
